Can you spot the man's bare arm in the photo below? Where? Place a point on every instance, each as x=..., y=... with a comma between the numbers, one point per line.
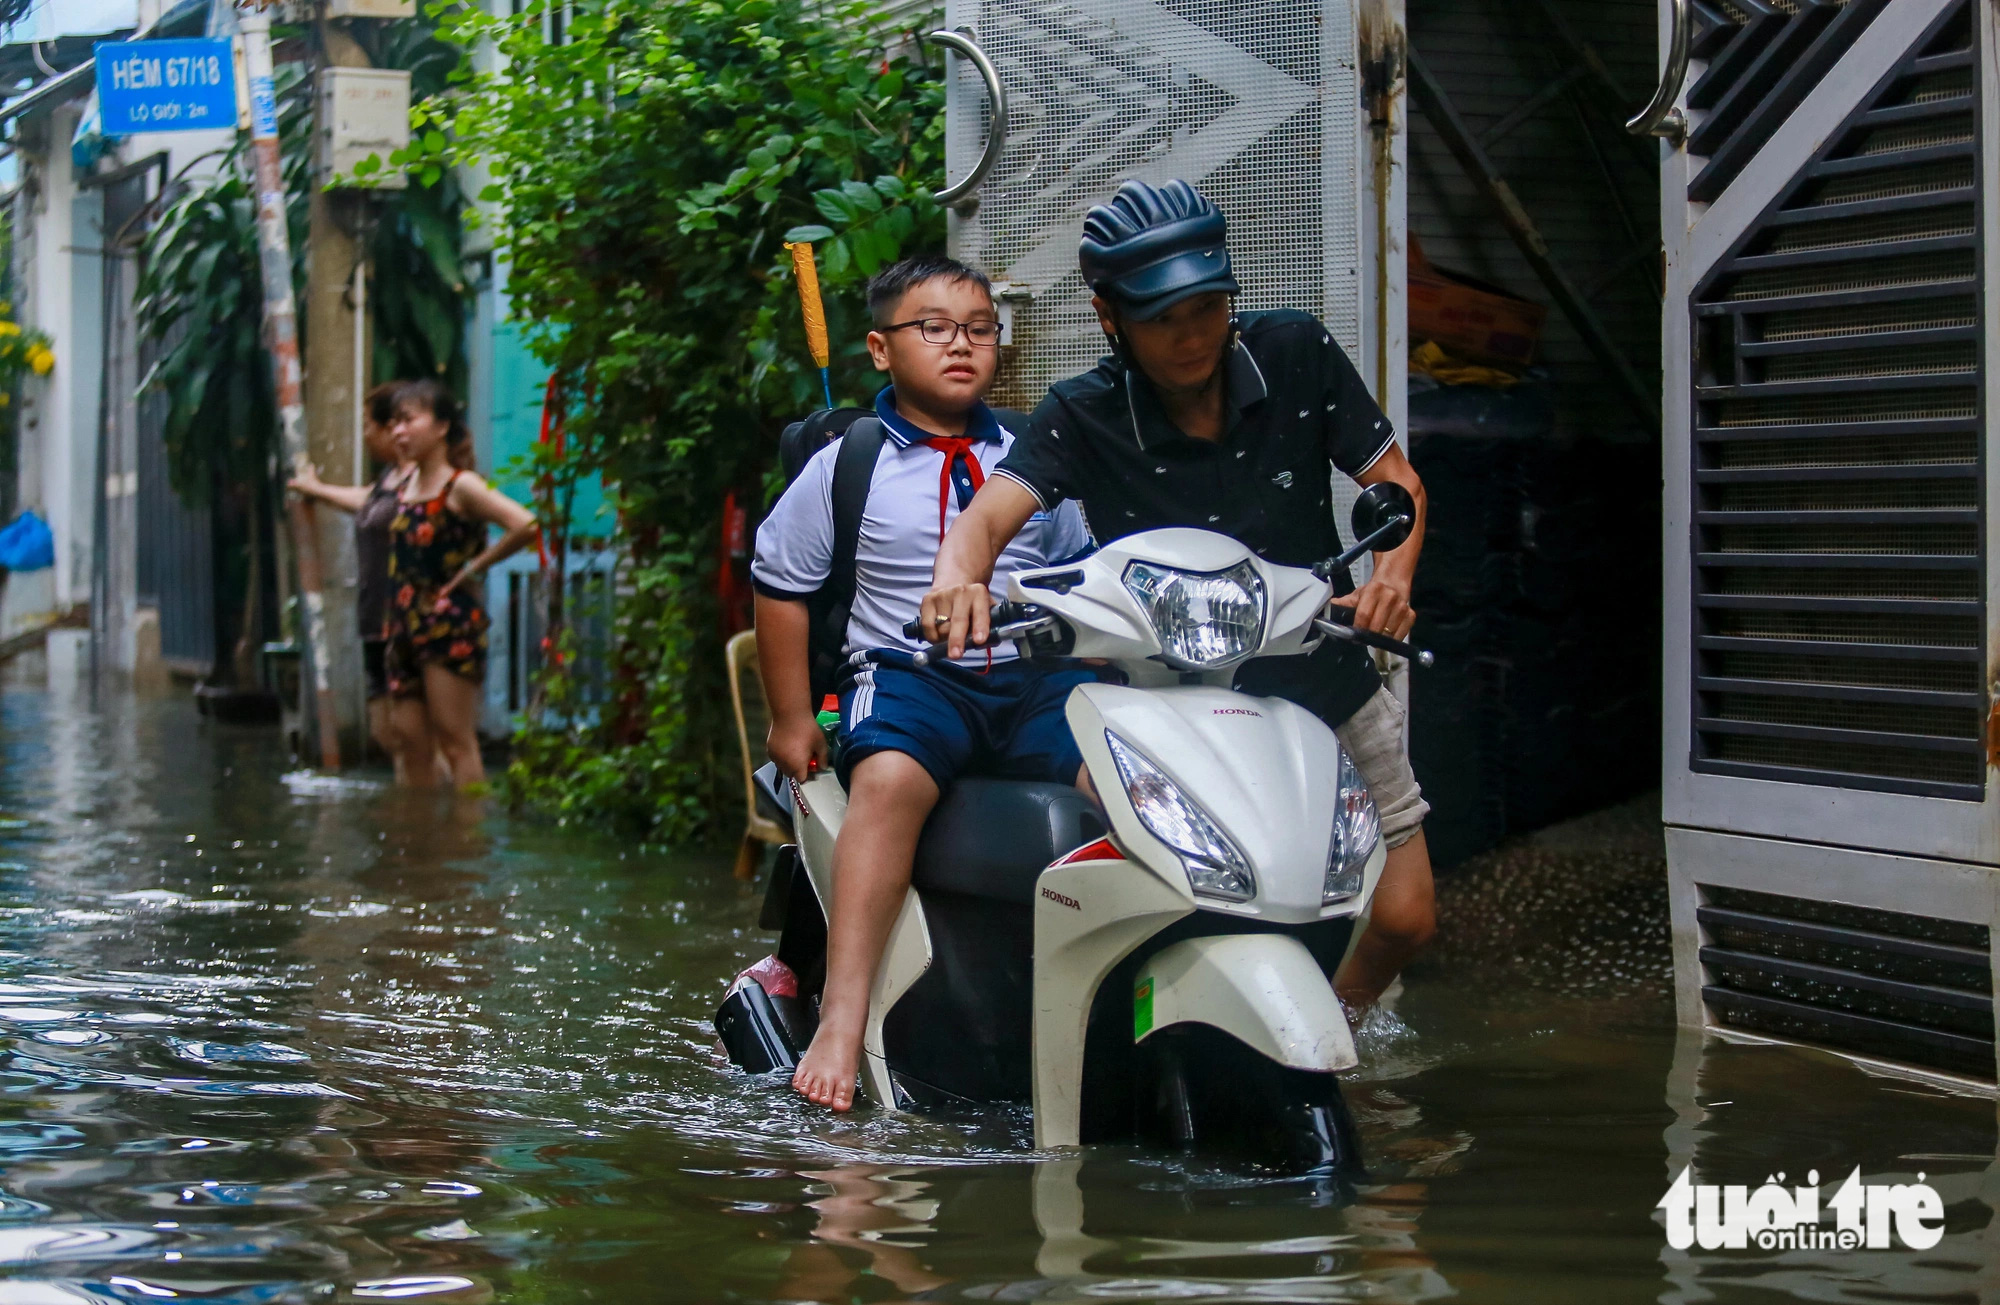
x=1383, y=604
x=958, y=607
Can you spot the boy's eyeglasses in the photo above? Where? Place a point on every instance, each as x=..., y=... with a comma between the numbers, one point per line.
x=942, y=330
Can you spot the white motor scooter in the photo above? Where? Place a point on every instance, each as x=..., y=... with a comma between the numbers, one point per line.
x=1165, y=979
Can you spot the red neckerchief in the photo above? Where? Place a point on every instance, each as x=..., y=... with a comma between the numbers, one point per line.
x=955, y=447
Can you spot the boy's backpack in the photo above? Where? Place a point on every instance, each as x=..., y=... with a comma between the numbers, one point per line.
x=860, y=434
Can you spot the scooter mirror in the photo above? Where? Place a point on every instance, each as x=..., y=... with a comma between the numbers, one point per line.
x=1380, y=505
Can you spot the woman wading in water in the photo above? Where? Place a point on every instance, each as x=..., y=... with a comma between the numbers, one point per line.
x=438, y=558
x=374, y=507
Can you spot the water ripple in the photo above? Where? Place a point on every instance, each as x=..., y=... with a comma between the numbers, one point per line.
x=275, y=1038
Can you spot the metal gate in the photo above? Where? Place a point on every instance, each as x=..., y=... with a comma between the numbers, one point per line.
x=176, y=567
x=1260, y=104
x=1832, y=828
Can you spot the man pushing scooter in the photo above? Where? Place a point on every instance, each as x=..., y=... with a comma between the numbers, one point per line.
x=1233, y=423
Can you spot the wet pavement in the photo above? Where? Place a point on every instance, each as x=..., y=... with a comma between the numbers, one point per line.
x=269, y=1037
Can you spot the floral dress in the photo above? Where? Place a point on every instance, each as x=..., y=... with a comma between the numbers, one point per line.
x=428, y=545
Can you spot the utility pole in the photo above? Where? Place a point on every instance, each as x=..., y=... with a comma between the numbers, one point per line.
x=336, y=371
x=281, y=333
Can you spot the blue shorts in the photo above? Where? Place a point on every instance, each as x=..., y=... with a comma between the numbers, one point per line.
x=1006, y=722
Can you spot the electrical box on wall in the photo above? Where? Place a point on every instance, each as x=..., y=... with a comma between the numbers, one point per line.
x=363, y=112
x=371, y=8
x=304, y=11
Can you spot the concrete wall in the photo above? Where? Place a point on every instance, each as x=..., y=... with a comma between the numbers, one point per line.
x=57, y=444
x=60, y=271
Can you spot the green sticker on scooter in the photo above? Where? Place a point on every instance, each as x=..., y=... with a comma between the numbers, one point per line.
x=1142, y=1007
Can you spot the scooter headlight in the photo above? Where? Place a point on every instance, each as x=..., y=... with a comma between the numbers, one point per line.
x=1205, y=619
x=1356, y=828
x=1214, y=867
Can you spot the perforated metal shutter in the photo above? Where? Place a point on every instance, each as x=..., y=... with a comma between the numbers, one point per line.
x=1258, y=104
x=1884, y=984
x=1839, y=522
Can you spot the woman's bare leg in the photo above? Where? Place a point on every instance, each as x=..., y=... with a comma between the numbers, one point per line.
x=382, y=728
x=417, y=752
x=452, y=703
x=410, y=720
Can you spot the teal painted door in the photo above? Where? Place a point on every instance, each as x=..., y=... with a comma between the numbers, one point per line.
x=519, y=383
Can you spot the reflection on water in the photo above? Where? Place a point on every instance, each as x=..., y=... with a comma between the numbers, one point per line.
x=1740, y=1112
x=266, y=1037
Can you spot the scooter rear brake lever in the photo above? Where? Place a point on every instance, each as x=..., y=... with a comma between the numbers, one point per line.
x=1420, y=656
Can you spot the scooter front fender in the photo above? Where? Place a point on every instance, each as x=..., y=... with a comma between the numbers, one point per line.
x=1264, y=989
x=1090, y=913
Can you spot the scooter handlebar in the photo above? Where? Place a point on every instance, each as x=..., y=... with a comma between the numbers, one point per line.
x=936, y=652
x=1009, y=620
x=1341, y=627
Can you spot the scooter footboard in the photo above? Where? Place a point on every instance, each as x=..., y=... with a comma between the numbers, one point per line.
x=1264, y=989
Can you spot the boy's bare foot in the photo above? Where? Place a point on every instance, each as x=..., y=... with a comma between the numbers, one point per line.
x=826, y=1072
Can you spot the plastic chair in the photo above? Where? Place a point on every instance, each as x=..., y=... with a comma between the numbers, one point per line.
x=753, y=719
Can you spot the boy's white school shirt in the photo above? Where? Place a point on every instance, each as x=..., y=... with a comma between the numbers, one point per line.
x=899, y=533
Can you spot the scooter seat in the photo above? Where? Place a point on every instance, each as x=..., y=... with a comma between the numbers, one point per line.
x=992, y=838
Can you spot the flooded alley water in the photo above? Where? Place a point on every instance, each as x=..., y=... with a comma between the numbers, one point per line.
x=271, y=1038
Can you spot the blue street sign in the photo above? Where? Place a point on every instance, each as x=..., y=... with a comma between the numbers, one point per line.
x=165, y=86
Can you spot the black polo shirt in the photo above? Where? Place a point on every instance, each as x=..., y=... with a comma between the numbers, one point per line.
x=1296, y=410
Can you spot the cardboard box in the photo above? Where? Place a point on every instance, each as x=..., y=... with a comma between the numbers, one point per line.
x=1469, y=318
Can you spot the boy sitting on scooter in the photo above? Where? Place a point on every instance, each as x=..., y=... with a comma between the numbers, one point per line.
x=905, y=733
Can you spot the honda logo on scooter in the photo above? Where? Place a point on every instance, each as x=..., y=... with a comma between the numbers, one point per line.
x=1057, y=897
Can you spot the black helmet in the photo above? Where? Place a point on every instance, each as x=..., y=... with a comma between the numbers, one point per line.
x=1153, y=246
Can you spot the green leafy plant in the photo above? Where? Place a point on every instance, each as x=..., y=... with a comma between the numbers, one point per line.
x=21, y=352
x=201, y=307
x=201, y=299
x=650, y=167
x=419, y=289
x=201, y=302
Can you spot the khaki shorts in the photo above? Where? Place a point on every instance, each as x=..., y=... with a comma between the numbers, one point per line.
x=1374, y=737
